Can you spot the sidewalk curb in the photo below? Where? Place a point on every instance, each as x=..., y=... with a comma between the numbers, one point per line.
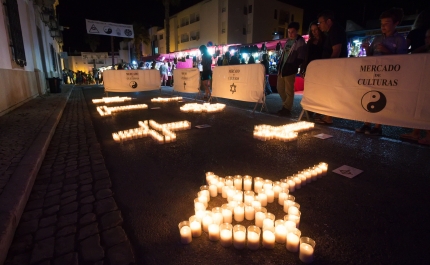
x=15, y=195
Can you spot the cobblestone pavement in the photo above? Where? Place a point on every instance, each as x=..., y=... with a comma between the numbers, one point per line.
x=71, y=216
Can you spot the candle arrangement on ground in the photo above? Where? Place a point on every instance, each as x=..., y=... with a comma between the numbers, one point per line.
x=107, y=100
x=164, y=100
x=284, y=133
x=205, y=107
x=107, y=111
x=167, y=134
x=246, y=200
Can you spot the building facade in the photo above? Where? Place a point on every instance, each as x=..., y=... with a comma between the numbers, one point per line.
x=222, y=22
x=30, y=46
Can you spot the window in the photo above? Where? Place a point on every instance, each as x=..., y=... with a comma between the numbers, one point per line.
x=160, y=37
x=185, y=21
x=249, y=9
x=192, y=18
x=275, y=15
x=13, y=23
x=194, y=35
x=284, y=17
x=185, y=38
x=197, y=17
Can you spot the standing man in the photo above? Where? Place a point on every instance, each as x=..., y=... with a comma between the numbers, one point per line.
x=334, y=45
x=206, y=74
x=163, y=74
x=292, y=56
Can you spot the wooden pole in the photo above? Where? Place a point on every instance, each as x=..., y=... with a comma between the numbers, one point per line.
x=113, y=50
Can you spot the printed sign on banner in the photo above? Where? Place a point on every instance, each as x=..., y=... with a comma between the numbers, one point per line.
x=110, y=29
x=186, y=80
x=390, y=90
x=131, y=80
x=239, y=82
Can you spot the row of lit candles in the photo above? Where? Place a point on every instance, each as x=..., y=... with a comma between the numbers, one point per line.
x=244, y=204
x=166, y=136
x=164, y=100
x=205, y=107
x=106, y=111
x=111, y=99
x=284, y=133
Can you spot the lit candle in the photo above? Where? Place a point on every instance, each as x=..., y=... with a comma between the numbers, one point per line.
x=280, y=231
x=270, y=195
x=294, y=209
x=267, y=185
x=185, y=232
x=239, y=212
x=205, y=190
x=196, y=226
x=260, y=214
x=229, y=181
x=207, y=220
x=203, y=199
x=238, y=196
x=213, y=232
x=247, y=183
x=276, y=188
x=297, y=181
x=291, y=184
x=269, y=220
x=308, y=175
x=293, y=238
x=289, y=224
x=282, y=197
x=226, y=235
x=307, y=246
x=217, y=215
x=253, y=233
x=213, y=190
x=224, y=191
x=319, y=171
x=302, y=177
x=249, y=196
x=198, y=205
x=314, y=173
x=287, y=204
x=284, y=184
x=239, y=236
x=258, y=184
x=262, y=197
x=324, y=167
x=209, y=176
x=220, y=184
x=249, y=212
x=293, y=218
x=238, y=182
x=227, y=213
x=269, y=238
x=256, y=203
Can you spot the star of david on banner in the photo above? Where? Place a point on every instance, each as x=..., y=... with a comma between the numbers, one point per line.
x=232, y=88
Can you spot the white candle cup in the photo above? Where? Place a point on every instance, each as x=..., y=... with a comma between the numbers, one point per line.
x=253, y=235
x=185, y=232
x=324, y=168
x=269, y=238
x=297, y=181
x=289, y=224
x=293, y=240
x=314, y=173
x=258, y=184
x=238, y=196
x=247, y=183
x=205, y=190
x=284, y=184
x=232, y=204
x=280, y=231
x=283, y=196
x=217, y=215
x=239, y=236
x=307, y=248
x=229, y=181
x=287, y=204
x=262, y=197
x=293, y=218
x=308, y=175
x=248, y=196
x=198, y=205
x=239, y=212
x=249, y=212
x=209, y=176
x=213, y=190
x=302, y=177
x=260, y=214
x=213, y=180
x=270, y=195
x=231, y=192
x=206, y=221
x=220, y=184
x=238, y=182
x=227, y=213
x=294, y=209
x=213, y=232
x=224, y=191
x=226, y=234
x=200, y=214
x=196, y=226
x=256, y=203
x=267, y=184
x=291, y=184
x=319, y=171
x=269, y=220
x=202, y=198
x=276, y=189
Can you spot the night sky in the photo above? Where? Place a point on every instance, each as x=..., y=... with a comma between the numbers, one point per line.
x=72, y=14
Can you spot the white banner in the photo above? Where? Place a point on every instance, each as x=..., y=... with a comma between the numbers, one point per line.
x=131, y=80
x=110, y=29
x=186, y=80
x=243, y=82
x=390, y=90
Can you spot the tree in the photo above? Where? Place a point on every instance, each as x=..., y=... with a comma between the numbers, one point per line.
x=93, y=41
x=166, y=4
x=141, y=35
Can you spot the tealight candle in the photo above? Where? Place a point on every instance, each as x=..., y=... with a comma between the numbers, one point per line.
x=238, y=196
x=293, y=239
x=209, y=176
x=238, y=182
x=203, y=199
x=324, y=167
x=269, y=237
x=196, y=226
x=217, y=215
x=291, y=184
x=314, y=173
x=205, y=190
x=293, y=218
x=226, y=234
x=260, y=214
x=213, y=232
x=282, y=197
x=227, y=213
x=269, y=220
x=280, y=231
x=239, y=212
x=307, y=247
x=258, y=184
x=256, y=203
x=229, y=181
x=262, y=197
x=302, y=177
x=249, y=196
x=247, y=183
x=287, y=204
x=185, y=232
x=308, y=175
x=267, y=184
x=297, y=181
x=207, y=220
x=249, y=212
x=319, y=171
x=220, y=184
x=289, y=224
x=253, y=233
x=213, y=190
x=239, y=236
x=284, y=184
x=294, y=209
x=276, y=188
x=270, y=195
x=224, y=191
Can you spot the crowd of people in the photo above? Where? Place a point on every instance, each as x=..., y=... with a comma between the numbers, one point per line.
x=82, y=78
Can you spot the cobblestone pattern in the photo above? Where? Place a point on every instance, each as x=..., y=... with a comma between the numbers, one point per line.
x=71, y=216
x=18, y=129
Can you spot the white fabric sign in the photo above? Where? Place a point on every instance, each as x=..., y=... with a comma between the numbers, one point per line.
x=131, y=80
x=244, y=82
x=390, y=90
x=110, y=29
x=186, y=80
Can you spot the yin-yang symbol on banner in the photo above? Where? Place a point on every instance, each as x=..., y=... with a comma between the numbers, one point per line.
x=373, y=101
x=107, y=30
x=133, y=84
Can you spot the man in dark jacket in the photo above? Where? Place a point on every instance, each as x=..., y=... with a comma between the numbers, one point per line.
x=292, y=56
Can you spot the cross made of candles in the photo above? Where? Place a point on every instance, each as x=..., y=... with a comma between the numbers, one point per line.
x=107, y=111
x=247, y=198
x=284, y=133
x=205, y=107
x=111, y=100
x=164, y=100
x=166, y=134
